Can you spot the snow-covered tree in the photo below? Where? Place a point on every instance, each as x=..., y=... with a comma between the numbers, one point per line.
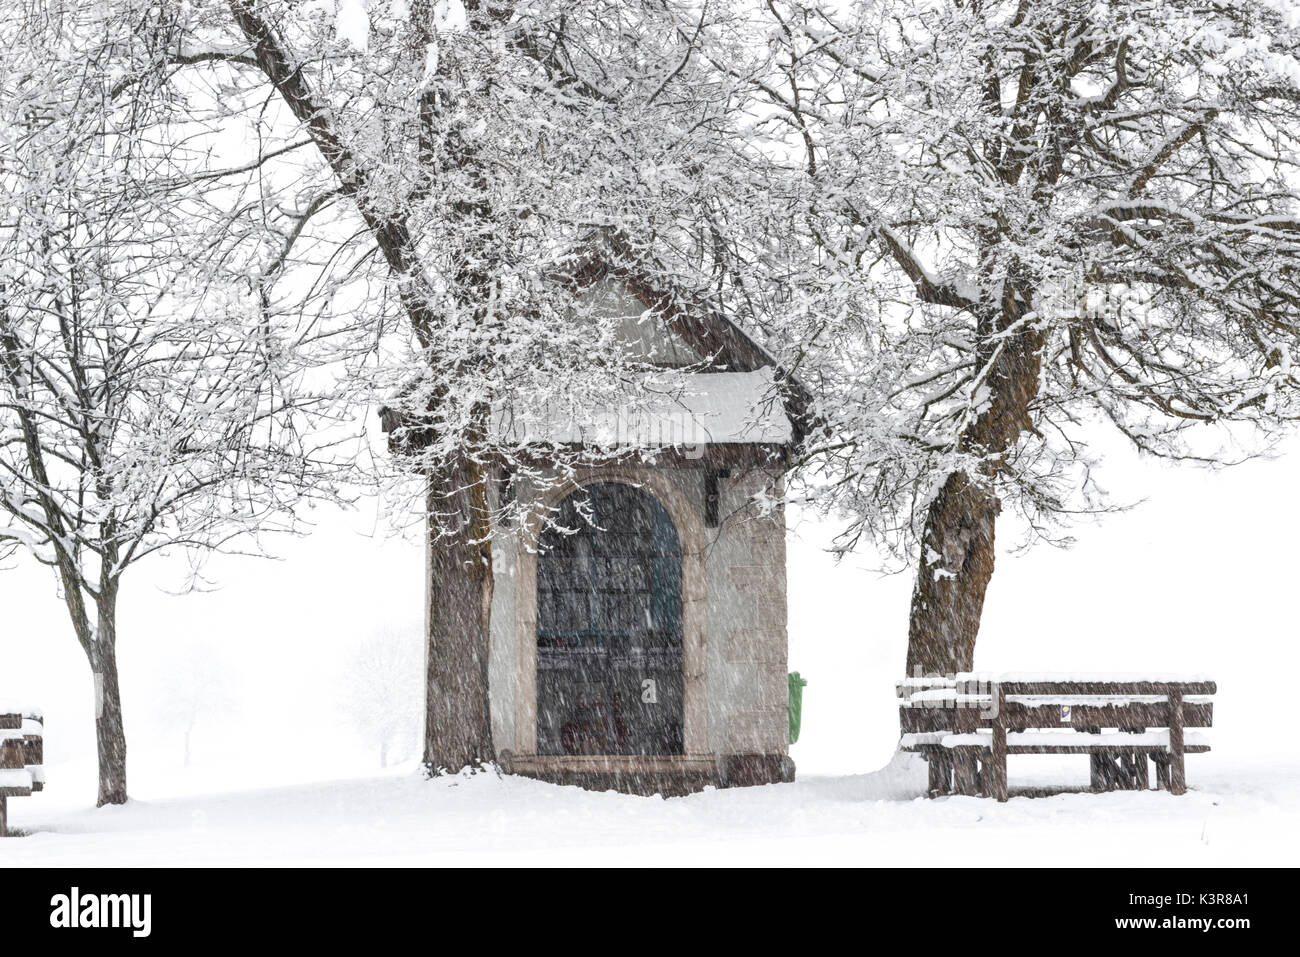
x=488, y=149
x=148, y=401
x=382, y=694
x=1016, y=219
x=197, y=685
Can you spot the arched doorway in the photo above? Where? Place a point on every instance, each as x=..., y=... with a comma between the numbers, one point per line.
x=609, y=627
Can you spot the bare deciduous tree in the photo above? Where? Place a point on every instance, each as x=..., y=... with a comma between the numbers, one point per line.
x=382, y=694
x=197, y=687
x=487, y=147
x=1025, y=217
x=147, y=402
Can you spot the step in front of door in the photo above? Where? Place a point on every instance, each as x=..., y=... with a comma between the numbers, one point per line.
x=667, y=775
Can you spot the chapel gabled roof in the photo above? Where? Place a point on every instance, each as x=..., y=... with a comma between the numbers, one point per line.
x=724, y=348
x=723, y=345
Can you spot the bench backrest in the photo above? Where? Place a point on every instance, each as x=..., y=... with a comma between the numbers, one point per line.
x=969, y=705
x=906, y=687
x=21, y=740
x=1109, y=688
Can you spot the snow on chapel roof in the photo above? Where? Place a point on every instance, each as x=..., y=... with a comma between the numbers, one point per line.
x=738, y=396
x=712, y=408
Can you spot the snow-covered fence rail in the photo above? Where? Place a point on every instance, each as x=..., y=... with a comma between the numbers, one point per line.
x=967, y=726
x=22, y=757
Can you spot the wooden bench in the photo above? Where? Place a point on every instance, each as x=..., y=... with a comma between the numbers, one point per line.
x=22, y=758
x=965, y=727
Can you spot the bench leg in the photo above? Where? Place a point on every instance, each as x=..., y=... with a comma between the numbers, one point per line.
x=4, y=815
x=940, y=768
x=1177, y=773
x=1098, y=778
x=1177, y=769
x=965, y=772
x=997, y=766
x=1162, y=771
x=993, y=778
x=1113, y=772
x=1141, y=772
x=1101, y=772
x=1132, y=765
x=945, y=762
x=1125, y=772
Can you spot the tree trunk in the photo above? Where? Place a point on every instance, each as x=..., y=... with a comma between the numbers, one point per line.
x=957, y=550
x=100, y=647
x=956, y=564
x=110, y=736
x=458, y=724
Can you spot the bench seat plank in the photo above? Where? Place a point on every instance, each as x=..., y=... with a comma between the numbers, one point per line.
x=1047, y=682
x=935, y=696
x=1051, y=742
x=15, y=782
x=1018, y=719
x=1074, y=739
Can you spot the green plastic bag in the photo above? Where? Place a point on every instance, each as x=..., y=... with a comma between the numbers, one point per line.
x=796, y=703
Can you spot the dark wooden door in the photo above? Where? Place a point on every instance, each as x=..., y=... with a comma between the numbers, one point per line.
x=609, y=627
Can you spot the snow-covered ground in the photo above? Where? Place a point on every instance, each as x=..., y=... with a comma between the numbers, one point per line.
x=1233, y=815
x=1199, y=579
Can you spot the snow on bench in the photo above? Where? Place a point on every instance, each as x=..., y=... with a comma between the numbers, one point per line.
x=30, y=728
x=941, y=696
x=918, y=682
x=15, y=779
x=22, y=757
x=1063, y=742
x=922, y=683
x=966, y=725
x=1080, y=677
x=1057, y=741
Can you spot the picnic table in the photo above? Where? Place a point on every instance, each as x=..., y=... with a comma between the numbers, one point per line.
x=967, y=725
x=22, y=757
